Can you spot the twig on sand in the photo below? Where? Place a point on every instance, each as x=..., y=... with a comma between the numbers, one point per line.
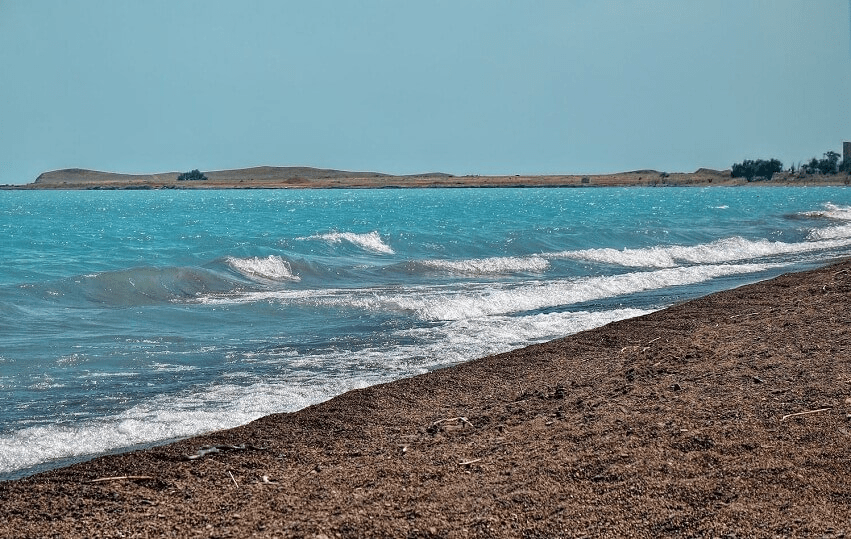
x=636, y=346
x=468, y=462
x=207, y=449
x=232, y=478
x=738, y=315
x=315, y=469
x=787, y=416
x=449, y=419
x=122, y=478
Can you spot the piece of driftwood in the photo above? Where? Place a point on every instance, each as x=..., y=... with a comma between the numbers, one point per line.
x=746, y=315
x=208, y=449
x=450, y=419
x=787, y=416
x=121, y=478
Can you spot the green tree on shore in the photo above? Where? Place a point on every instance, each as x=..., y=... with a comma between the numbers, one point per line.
x=192, y=175
x=759, y=168
x=828, y=165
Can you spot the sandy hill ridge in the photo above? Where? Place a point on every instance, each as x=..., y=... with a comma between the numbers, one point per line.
x=77, y=175
x=268, y=177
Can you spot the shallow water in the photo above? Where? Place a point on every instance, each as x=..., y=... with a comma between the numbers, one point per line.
x=130, y=317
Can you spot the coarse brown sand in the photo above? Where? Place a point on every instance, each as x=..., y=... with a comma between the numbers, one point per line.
x=724, y=416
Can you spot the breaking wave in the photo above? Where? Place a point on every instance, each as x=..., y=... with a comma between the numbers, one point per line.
x=271, y=268
x=717, y=252
x=831, y=211
x=443, y=303
x=221, y=406
x=489, y=266
x=370, y=241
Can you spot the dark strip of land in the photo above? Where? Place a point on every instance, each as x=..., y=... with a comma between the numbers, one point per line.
x=729, y=415
x=313, y=178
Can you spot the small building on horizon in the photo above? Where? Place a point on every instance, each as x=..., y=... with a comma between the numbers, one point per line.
x=846, y=151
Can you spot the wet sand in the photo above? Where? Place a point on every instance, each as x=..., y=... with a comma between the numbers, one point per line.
x=729, y=415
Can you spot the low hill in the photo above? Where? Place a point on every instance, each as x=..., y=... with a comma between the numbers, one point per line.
x=266, y=177
x=77, y=175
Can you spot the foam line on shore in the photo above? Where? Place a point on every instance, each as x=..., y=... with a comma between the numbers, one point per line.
x=221, y=406
x=442, y=303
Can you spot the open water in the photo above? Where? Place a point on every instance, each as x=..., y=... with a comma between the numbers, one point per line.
x=133, y=317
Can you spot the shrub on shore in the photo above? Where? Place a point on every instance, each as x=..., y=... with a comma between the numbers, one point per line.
x=192, y=175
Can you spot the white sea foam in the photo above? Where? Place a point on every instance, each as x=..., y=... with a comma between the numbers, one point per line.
x=463, y=340
x=370, y=241
x=162, y=418
x=832, y=211
x=840, y=232
x=452, y=302
x=227, y=405
x=488, y=300
x=651, y=257
x=717, y=252
x=119, y=374
x=271, y=268
x=168, y=367
x=490, y=266
x=457, y=341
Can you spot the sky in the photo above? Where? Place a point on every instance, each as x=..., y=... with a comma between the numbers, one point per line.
x=458, y=86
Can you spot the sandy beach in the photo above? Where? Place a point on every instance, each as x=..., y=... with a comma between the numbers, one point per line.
x=729, y=415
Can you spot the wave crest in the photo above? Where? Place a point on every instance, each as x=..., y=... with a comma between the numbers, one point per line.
x=443, y=303
x=832, y=211
x=271, y=268
x=489, y=266
x=370, y=241
x=725, y=250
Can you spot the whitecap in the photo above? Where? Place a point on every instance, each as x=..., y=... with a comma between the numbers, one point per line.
x=271, y=268
x=831, y=211
x=467, y=339
x=487, y=300
x=370, y=241
x=168, y=367
x=724, y=250
x=840, y=232
x=472, y=300
x=490, y=266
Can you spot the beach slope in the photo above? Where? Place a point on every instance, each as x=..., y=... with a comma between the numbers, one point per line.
x=727, y=415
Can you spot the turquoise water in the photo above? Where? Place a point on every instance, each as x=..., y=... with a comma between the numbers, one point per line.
x=131, y=317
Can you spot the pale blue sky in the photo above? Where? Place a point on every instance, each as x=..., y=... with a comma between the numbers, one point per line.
x=465, y=87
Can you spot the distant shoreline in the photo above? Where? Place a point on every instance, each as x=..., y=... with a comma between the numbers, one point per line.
x=313, y=178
